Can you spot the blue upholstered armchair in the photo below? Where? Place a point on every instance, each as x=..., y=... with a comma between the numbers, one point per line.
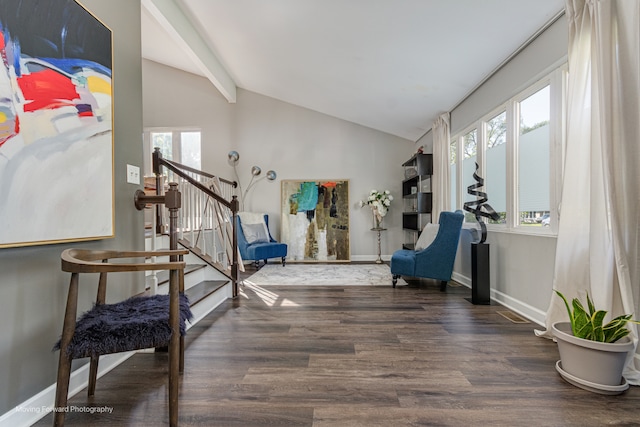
x=262, y=246
x=436, y=260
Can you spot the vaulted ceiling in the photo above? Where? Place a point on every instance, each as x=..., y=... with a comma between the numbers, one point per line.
x=391, y=65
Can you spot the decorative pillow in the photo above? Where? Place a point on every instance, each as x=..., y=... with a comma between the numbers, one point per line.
x=255, y=233
x=428, y=235
x=251, y=217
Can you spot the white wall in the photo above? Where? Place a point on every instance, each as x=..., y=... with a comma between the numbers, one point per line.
x=521, y=270
x=295, y=142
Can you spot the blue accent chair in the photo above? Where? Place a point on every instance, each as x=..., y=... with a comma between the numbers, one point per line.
x=436, y=260
x=260, y=250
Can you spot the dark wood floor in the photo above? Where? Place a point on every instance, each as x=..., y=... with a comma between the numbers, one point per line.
x=356, y=356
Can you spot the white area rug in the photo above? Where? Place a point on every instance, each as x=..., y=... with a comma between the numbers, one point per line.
x=323, y=275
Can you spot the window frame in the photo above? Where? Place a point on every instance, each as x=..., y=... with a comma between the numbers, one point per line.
x=176, y=144
x=556, y=80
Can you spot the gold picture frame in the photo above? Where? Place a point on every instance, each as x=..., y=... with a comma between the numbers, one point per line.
x=56, y=124
x=315, y=220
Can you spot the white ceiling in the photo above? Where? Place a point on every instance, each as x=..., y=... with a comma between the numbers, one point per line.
x=391, y=65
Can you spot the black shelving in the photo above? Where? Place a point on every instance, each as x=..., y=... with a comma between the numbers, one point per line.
x=418, y=199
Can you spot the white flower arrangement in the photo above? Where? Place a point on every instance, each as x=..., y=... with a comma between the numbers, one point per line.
x=379, y=202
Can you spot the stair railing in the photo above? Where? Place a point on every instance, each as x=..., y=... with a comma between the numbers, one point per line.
x=207, y=221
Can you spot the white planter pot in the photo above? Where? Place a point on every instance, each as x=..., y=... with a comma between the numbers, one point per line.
x=592, y=365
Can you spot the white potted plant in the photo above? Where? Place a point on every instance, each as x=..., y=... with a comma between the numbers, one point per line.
x=592, y=355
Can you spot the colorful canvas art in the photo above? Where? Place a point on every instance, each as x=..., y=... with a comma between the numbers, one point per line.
x=56, y=143
x=315, y=220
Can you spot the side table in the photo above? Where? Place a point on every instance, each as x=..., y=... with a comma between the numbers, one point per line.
x=378, y=230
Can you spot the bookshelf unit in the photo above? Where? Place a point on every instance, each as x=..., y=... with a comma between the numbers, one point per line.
x=416, y=197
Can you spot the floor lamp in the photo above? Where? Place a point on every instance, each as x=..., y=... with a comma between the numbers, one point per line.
x=234, y=158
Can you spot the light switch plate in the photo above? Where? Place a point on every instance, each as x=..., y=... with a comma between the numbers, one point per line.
x=133, y=174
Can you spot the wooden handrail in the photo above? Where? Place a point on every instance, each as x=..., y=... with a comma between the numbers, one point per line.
x=225, y=210
x=199, y=172
x=158, y=161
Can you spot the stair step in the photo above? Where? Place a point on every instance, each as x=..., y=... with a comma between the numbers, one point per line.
x=203, y=289
x=205, y=257
x=163, y=276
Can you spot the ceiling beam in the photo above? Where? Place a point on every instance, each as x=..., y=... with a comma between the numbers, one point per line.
x=179, y=28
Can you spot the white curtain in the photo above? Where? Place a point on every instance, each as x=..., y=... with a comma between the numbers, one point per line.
x=599, y=231
x=441, y=174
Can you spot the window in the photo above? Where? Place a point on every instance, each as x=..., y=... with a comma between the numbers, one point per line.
x=182, y=146
x=164, y=141
x=533, y=161
x=496, y=165
x=513, y=146
x=190, y=149
x=469, y=159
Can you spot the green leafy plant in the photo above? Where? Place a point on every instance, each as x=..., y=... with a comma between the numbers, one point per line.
x=588, y=325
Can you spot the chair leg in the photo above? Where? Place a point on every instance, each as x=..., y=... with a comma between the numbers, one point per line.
x=443, y=286
x=64, y=362
x=174, y=352
x=93, y=375
x=284, y=260
x=394, y=279
x=62, y=388
x=181, y=355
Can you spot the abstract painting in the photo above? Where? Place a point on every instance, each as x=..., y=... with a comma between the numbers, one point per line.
x=315, y=220
x=56, y=130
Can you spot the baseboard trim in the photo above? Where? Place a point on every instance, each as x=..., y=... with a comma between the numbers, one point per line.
x=531, y=313
x=37, y=407
x=369, y=258
x=463, y=280
x=525, y=310
x=210, y=303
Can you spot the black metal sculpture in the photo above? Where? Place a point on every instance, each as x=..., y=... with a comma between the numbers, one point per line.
x=480, y=265
x=479, y=207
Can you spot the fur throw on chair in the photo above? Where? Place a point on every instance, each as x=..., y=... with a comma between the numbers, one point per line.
x=133, y=324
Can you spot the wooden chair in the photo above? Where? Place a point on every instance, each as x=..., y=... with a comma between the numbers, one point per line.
x=160, y=317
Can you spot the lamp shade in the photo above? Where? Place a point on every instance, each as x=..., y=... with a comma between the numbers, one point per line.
x=233, y=157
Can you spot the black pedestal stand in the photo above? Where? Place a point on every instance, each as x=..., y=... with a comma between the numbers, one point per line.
x=480, y=280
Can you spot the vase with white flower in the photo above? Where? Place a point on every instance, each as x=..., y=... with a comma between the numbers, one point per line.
x=379, y=202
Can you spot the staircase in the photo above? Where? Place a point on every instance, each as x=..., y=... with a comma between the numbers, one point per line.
x=205, y=286
x=205, y=226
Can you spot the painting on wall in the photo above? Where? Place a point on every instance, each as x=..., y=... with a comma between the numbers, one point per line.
x=56, y=130
x=315, y=220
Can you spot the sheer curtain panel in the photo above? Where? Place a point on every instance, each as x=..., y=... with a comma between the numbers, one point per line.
x=599, y=231
x=441, y=174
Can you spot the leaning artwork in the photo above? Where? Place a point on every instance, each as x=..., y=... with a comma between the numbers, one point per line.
x=56, y=145
x=315, y=220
